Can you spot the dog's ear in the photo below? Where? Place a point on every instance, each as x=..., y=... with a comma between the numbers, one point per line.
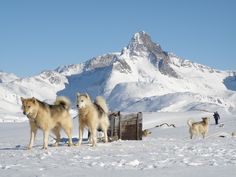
x=22, y=99
x=87, y=96
x=78, y=94
x=34, y=100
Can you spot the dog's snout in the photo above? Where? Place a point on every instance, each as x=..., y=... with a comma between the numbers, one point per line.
x=24, y=112
x=77, y=106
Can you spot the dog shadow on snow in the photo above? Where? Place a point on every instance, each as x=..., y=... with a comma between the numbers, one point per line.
x=63, y=142
x=15, y=148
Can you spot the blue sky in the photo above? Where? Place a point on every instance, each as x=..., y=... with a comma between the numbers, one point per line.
x=41, y=35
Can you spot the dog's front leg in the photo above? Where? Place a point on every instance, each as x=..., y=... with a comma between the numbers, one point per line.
x=45, y=139
x=33, y=131
x=81, y=132
x=191, y=135
x=203, y=135
x=90, y=137
x=94, y=137
x=105, y=136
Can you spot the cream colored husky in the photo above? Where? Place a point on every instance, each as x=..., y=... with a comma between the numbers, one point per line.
x=197, y=128
x=48, y=117
x=93, y=116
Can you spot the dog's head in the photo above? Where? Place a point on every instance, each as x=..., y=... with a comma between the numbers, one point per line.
x=205, y=119
x=83, y=100
x=29, y=106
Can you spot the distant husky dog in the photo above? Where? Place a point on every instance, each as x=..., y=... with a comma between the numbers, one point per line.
x=48, y=117
x=197, y=128
x=234, y=134
x=146, y=132
x=93, y=116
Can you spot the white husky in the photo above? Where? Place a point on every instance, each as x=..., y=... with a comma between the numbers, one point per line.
x=197, y=128
x=93, y=116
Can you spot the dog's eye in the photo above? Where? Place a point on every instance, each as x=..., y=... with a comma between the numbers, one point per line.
x=82, y=100
x=28, y=106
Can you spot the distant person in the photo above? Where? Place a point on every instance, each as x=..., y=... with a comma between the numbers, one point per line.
x=216, y=117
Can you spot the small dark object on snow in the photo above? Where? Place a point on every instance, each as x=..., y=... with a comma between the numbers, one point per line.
x=221, y=125
x=168, y=125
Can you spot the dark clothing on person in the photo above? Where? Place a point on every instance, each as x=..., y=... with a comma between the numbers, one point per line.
x=216, y=117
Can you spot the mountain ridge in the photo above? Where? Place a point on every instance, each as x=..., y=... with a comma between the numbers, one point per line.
x=129, y=79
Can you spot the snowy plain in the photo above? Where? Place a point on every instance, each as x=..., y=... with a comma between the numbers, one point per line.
x=166, y=152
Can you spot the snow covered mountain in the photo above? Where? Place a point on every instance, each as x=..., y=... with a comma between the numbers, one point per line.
x=7, y=77
x=142, y=77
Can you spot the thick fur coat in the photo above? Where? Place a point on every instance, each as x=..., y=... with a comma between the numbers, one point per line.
x=92, y=115
x=199, y=128
x=48, y=118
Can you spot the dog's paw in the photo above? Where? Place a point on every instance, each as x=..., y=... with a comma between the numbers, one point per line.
x=29, y=148
x=70, y=144
x=77, y=144
x=93, y=145
x=44, y=148
x=55, y=145
x=90, y=142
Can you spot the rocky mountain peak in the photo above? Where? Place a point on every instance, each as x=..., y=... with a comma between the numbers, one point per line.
x=142, y=42
x=141, y=45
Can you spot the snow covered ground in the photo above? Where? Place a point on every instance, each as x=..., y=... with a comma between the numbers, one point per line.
x=166, y=152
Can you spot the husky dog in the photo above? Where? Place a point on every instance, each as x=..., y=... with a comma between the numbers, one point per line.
x=196, y=128
x=146, y=132
x=93, y=116
x=48, y=117
x=234, y=134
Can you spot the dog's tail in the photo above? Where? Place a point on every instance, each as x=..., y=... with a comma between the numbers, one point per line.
x=190, y=123
x=63, y=101
x=101, y=103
